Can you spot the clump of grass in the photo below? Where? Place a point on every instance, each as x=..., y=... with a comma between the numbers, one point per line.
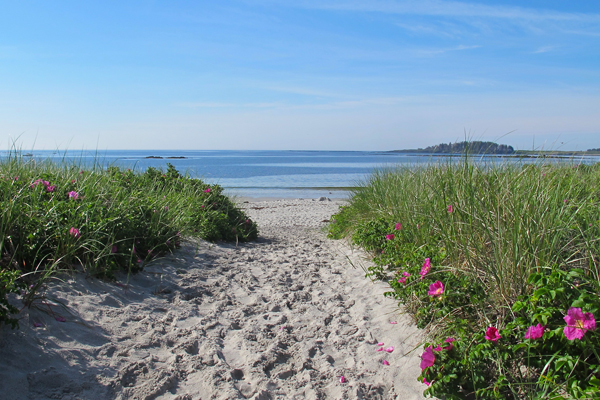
x=513, y=245
x=58, y=216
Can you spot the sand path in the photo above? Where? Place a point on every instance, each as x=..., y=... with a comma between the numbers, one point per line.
x=281, y=318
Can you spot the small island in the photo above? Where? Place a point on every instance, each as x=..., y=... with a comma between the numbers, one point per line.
x=168, y=158
x=492, y=148
x=475, y=147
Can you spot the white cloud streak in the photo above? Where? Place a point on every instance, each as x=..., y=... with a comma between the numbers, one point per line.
x=431, y=52
x=545, y=49
x=333, y=105
x=212, y=104
x=444, y=8
x=302, y=91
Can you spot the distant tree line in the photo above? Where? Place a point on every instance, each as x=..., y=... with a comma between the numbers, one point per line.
x=475, y=147
x=598, y=149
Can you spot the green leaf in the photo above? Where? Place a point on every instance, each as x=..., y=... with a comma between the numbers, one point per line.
x=519, y=305
x=594, y=382
x=519, y=346
x=534, y=278
x=578, y=304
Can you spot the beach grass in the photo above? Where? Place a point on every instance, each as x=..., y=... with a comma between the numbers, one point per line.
x=467, y=247
x=62, y=216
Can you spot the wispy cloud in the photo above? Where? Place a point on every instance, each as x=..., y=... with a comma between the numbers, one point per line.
x=583, y=32
x=210, y=104
x=303, y=91
x=446, y=31
x=471, y=81
x=443, y=8
x=358, y=103
x=545, y=49
x=316, y=105
x=431, y=52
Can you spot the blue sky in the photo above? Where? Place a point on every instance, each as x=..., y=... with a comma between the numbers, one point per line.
x=302, y=74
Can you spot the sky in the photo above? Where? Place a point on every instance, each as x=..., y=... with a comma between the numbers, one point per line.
x=299, y=75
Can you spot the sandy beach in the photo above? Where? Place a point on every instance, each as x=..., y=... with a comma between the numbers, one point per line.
x=280, y=318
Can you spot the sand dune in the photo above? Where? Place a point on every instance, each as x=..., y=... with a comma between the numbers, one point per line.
x=281, y=318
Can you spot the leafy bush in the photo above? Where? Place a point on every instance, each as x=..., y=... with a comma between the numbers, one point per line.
x=59, y=217
x=483, y=256
x=9, y=284
x=534, y=356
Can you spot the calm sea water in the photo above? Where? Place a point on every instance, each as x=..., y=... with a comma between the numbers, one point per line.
x=280, y=174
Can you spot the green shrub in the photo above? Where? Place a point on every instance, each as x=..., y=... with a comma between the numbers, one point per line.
x=488, y=233
x=57, y=216
x=9, y=283
x=547, y=365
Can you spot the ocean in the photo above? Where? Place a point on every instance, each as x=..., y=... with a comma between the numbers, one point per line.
x=268, y=174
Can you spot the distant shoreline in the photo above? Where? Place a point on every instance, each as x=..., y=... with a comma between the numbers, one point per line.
x=516, y=154
x=416, y=152
x=478, y=148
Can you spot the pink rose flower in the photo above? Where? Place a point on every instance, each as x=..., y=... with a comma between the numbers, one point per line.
x=403, y=278
x=492, y=334
x=436, y=289
x=427, y=358
x=38, y=181
x=450, y=345
x=426, y=268
x=49, y=188
x=74, y=232
x=578, y=323
x=535, y=332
